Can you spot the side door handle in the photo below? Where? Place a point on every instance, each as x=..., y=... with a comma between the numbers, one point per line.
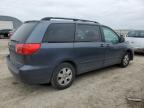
x=101, y=45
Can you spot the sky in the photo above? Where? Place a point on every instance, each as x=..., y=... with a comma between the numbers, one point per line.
x=118, y=14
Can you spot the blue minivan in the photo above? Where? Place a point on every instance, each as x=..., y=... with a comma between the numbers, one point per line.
x=56, y=49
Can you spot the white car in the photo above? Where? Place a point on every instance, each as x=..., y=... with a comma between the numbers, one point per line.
x=136, y=40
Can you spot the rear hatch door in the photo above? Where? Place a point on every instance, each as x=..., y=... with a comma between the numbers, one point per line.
x=20, y=37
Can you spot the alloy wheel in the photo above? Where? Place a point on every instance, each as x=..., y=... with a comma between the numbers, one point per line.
x=64, y=76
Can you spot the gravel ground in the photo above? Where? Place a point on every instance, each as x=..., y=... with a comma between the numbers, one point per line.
x=105, y=88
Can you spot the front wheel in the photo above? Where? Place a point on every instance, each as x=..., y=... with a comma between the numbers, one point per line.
x=125, y=60
x=63, y=76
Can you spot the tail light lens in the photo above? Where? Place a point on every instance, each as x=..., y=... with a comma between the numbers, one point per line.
x=27, y=49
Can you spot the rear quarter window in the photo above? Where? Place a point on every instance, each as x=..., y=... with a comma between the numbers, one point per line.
x=60, y=33
x=22, y=33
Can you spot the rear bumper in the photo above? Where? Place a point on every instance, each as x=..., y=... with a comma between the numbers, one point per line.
x=31, y=74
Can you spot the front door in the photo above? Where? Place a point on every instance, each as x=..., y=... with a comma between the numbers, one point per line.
x=113, y=47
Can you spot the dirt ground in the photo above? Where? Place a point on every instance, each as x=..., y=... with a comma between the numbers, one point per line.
x=105, y=88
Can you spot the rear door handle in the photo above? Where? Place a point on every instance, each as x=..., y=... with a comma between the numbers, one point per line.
x=108, y=45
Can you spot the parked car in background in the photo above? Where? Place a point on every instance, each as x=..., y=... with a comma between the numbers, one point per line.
x=56, y=51
x=10, y=33
x=4, y=33
x=136, y=40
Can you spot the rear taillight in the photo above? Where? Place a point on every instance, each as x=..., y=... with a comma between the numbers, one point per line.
x=27, y=49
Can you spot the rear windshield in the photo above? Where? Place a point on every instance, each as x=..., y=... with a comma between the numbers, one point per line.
x=139, y=34
x=23, y=32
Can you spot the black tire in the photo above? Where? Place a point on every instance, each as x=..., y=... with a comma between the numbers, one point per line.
x=61, y=74
x=125, y=60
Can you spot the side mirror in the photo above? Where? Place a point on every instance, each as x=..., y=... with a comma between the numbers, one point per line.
x=122, y=39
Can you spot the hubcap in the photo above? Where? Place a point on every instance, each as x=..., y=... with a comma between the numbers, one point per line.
x=64, y=76
x=126, y=59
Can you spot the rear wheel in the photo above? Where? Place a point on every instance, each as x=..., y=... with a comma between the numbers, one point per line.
x=63, y=76
x=125, y=60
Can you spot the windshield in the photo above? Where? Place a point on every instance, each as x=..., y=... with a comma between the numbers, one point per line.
x=139, y=34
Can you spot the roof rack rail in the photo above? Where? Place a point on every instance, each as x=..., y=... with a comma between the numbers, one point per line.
x=49, y=18
x=31, y=21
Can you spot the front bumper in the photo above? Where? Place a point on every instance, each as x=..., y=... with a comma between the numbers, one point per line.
x=30, y=74
x=141, y=50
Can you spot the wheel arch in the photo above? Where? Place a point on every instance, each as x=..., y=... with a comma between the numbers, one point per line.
x=130, y=53
x=70, y=62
